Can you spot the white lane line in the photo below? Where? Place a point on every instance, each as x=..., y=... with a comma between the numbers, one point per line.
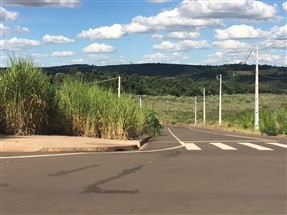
x=191, y=146
x=223, y=146
x=88, y=153
x=261, y=148
x=278, y=144
x=181, y=142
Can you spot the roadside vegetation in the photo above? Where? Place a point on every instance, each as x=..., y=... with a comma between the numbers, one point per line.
x=31, y=104
x=237, y=111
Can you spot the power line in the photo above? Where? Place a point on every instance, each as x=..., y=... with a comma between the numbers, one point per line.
x=274, y=78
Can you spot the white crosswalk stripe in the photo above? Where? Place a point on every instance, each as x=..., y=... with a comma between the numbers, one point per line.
x=191, y=146
x=278, y=144
x=255, y=146
x=194, y=146
x=223, y=146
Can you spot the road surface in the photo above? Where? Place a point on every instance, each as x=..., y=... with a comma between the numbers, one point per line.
x=184, y=171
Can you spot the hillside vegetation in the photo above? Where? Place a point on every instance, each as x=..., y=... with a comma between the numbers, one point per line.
x=180, y=80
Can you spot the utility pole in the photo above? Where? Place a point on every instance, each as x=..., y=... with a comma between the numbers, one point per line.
x=140, y=102
x=195, y=110
x=220, y=94
x=256, y=116
x=203, y=106
x=119, y=87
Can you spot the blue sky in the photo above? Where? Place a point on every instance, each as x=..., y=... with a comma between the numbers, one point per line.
x=99, y=32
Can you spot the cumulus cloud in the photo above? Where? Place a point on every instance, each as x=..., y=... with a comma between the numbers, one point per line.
x=39, y=55
x=62, y=54
x=230, y=44
x=243, y=9
x=17, y=44
x=52, y=39
x=278, y=32
x=174, y=57
x=189, y=15
x=107, y=32
x=239, y=32
x=184, y=45
x=6, y=15
x=4, y=30
x=99, y=48
x=284, y=6
x=43, y=3
x=170, y=20
x=79, y=60
x=183, y=35
x=24, y=30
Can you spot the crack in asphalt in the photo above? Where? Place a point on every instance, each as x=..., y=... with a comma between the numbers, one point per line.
x=94, y=188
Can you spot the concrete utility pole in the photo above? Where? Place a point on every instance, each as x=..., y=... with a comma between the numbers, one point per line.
x=140, y=102
x=119, y=87
x=195, y=110
x=203, y=106
x=220, y=94
x=256, y=116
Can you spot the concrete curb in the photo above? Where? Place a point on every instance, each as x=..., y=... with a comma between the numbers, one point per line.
x=88, y=149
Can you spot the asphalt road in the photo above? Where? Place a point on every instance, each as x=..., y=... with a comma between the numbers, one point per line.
x=193, y=171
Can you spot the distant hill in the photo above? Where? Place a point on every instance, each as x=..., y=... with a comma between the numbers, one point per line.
x=178, y=79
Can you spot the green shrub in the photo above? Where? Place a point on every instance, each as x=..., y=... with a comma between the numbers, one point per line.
x=267, y=122
x=281, y=120
x=25, y=95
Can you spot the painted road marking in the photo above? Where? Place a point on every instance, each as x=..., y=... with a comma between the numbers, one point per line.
x=191, y=146
x=278, y=144
x=87, y=153
x=223, y=146
x=261, y=148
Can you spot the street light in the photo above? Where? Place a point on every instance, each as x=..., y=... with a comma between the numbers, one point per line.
x=219, y=77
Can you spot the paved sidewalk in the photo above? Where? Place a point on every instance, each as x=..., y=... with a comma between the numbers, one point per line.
x=39, y=143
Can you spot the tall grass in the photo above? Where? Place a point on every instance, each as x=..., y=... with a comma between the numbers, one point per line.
x=24, y=96
x=88, y=110
x=29, y=104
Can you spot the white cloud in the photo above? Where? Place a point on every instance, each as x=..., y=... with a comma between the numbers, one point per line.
x=230, y=44
x=184, y=45
x=107, y=32
x=63, y=54
x=157, y=36
x=6, y=15
x=243, y=9
x=22, y=29
x=43, y=3
x=156, y=57
x=239, y=32
x=4, y=30
x=77, y=61
x=224, y=57
x=284, y=6
x=175, y=57
x=170, y=20
x=278, y=32
x=96, y=47
x=39, y=55
x=183, y=35
x=17, y=44
x=56, y=39
x=100, y=57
